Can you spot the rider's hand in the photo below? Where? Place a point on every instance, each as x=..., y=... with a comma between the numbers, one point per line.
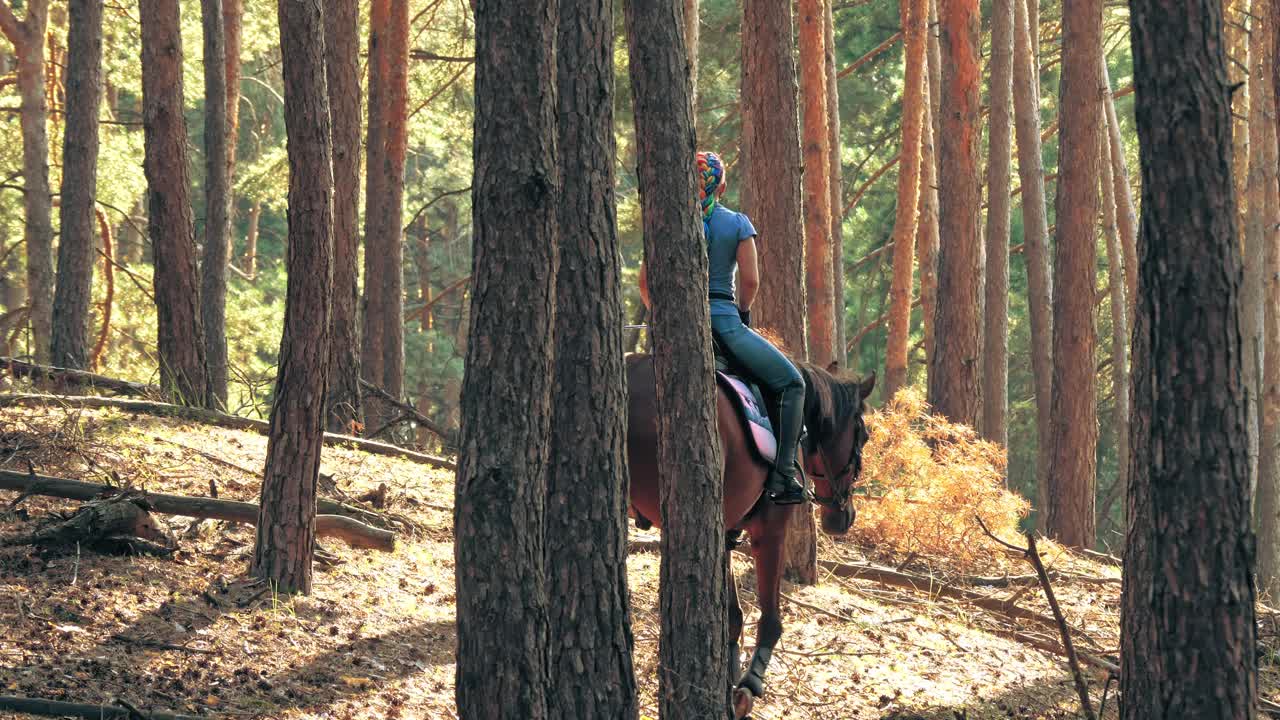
x=745, y=315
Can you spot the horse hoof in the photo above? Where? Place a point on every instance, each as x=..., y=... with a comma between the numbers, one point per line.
x=743, y=701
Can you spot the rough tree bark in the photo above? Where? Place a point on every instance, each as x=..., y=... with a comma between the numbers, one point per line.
x=955, y=377
x=287, y=519
x=1035, y=228
x=771, y=151
x=914, y=17
x=836, y=166
x=500, y=504
x=819, y=297
x=995, y=360
x=180, y=329
x=217, y=196
x=342, y=66
x=1074, y=429
x=28, y=38
x=382, y=359
x=590, y=625
x=693, y=647
x=1187, y=615
x=76, y=256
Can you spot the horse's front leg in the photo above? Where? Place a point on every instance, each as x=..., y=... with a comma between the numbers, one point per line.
x=767, y=548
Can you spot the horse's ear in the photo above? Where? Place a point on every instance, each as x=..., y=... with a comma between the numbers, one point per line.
x=867, y=385
x=834, y=367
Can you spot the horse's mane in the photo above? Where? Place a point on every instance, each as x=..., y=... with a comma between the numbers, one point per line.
x=830, y=400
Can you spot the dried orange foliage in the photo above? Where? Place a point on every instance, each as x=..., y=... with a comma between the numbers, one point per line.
x=928, y=481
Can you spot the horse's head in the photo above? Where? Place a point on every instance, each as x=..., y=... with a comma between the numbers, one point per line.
x=835, y=434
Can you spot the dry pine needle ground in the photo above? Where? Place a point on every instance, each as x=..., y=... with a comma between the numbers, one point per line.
x=188, y=633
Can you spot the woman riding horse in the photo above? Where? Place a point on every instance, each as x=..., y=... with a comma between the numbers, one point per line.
x=731, y=247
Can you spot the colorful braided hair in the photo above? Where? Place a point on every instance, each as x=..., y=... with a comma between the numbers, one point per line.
x=710, y=181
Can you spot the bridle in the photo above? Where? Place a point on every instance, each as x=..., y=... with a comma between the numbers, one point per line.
x=838, y=498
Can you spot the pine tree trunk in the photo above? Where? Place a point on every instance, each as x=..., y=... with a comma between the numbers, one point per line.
x=1188, y=634
x=819, y=297
x=1239, y=67
x=342, y=66
x=76, y=256
x=928, y=234
x=1126, y=214
x=287, y=518
x=771, y=152
x=995, y=359
x=836, y=166
x=500, y=505
x=1120, y=337
x=373, y=302
x=383, y=325
x=1074, y=424
x=28, y=38
x=180, y=330
x=1035, y=228
x=692, y=34
x=217, y=195
x=1262, y=293
x=1269, y=450
x=590, y=624
x=914, y=15
x=232, y=31
x=1257, y=238
x=1269, y=411
x=694, y=642
x=955, y=377
x=251, y=240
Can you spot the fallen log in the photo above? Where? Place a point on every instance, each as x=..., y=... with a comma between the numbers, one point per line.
x=55, y=708
x=353, y=532
x=209, y=417
x=79, y=378
x=124, y=514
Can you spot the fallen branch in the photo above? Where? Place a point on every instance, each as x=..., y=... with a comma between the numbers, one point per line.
x=55, y=708
x=408, y=410
x=210, y=417
x=934, y=587
x=888, y=43
x=1033, y=556
x=80, y=378
x=353, y=532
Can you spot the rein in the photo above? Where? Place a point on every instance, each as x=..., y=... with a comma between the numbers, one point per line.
x=839, y=498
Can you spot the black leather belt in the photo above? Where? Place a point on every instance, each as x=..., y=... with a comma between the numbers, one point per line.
x=722, y=296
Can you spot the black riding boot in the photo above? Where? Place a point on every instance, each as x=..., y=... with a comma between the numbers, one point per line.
x=782, y=486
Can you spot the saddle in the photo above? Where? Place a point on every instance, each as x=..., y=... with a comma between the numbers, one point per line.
x=748, y=400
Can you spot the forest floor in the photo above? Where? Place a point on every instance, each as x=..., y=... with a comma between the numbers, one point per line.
x=190, y=633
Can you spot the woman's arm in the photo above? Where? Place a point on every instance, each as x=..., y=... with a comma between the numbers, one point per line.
x=748, y=273
x=644, y=286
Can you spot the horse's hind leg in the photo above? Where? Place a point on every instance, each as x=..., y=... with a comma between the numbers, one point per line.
x=767, y=549
x=735, y=612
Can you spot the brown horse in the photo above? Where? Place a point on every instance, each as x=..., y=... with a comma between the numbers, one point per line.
x=834, y=436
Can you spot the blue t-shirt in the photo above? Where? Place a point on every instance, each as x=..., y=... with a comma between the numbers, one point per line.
x=725, y=229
